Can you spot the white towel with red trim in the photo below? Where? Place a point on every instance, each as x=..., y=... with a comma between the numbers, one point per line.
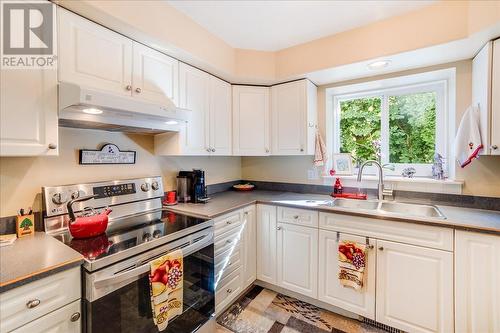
x=468, y=142
x=320, y=153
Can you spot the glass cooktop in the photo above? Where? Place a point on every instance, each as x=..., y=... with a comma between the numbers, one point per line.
x=127, y=233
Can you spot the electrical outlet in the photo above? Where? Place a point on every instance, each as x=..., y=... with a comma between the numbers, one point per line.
x=312, y=174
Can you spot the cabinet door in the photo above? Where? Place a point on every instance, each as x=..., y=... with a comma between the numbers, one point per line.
x=66, y=319
x=414, y=288
x=331, y=291
x=28, y=112
x=266, y=243
x=250, y=121
x=249, y=246
x=477, y=273
x=155, y=76
x=93, y=56
x=495, y=100
x=298, y=259
x=288, y=129
x=194, y=96
x=220, y=117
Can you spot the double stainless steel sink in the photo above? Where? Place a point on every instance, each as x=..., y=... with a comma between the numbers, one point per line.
x=387, y=208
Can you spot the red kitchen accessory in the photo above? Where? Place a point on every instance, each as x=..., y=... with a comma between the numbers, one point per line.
x=170, y=198
x=90, y=223
x=91, y=248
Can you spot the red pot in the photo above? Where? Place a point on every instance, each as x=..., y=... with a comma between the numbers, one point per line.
x=89, y=226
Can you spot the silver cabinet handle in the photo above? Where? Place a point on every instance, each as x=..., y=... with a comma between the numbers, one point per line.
x=381, y=248
x=246, y=213
x=267, y=150
x=75, y=316
x=213, y=150
x=52, y=146
x=301, y=149
x=33, y=303
x=208, y=149
x=229, y=241
x=128, y=87
x=296, y=217
x=494, y=147
x=370, y=247
x=229, y=290
x=278, y=228
x=138, y=90
x=229, y=222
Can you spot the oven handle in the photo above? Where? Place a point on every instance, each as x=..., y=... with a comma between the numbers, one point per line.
x=186, y=250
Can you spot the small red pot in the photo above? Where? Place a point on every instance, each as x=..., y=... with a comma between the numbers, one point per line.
x=89, y=226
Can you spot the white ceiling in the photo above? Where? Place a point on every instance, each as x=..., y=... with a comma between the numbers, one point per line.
x=275, y=25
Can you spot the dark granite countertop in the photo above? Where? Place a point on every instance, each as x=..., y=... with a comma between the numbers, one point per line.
x=225, y=202
x=34, y=257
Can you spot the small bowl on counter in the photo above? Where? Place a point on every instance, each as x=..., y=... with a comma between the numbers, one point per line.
x=244, y=187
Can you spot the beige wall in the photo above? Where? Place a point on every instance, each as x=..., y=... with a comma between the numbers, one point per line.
x=482, y=177
x=21, y=178
x=159, y=23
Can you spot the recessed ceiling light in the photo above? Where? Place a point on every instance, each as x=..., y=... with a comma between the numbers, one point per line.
x=92, y=111
x=171, y=122
x=379, y=64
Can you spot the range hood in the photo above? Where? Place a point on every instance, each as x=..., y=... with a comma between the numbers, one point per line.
x=83, y=107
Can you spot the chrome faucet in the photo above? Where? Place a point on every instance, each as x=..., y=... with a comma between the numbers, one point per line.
x=382, y=191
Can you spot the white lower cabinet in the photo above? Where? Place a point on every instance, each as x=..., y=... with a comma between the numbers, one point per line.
x=330, y=290
x=414, y=287
x=297, y=258
x=266, y=244
x=249, y=246
x=477, y=282
x=235, y=255
x=64, y=320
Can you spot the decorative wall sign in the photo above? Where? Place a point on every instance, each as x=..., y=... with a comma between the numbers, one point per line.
x=108, y=154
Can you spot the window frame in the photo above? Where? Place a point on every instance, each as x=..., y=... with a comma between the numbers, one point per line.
x=441, y=82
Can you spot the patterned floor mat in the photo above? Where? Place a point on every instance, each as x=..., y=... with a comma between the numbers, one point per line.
x=265, y=311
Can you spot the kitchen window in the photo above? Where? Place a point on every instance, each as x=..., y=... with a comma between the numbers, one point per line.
x=401, y=122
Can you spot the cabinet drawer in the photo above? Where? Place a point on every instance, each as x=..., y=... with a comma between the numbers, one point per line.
x=308, y=218
x=223, y=268
x=228, y=289
x=67, y=319
x=404, y=232
x=226, y=223
x=44, y=295
x=227, y=241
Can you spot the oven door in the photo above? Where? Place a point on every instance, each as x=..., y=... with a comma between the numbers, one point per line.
x=118, y=297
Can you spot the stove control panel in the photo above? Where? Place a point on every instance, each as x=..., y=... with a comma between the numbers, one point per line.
x=109, y=193
x=114, y=190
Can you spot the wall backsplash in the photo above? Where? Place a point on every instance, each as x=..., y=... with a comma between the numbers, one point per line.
x=21, y=178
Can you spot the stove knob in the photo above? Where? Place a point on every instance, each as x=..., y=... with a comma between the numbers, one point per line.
x=145, y=187
x=157, y=234
x=146, y=237
x=59, y=198
x=77, y=194
x=155, y=186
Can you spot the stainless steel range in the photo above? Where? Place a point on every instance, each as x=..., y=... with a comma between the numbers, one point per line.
x=116, y=266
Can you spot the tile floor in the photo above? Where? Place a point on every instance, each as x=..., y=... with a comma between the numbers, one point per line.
x=265, y=311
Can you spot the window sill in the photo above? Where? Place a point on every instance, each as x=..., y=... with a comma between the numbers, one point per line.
x=418, y=184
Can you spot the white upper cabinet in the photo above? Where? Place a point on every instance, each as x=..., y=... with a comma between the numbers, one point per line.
x=155, y=75
x=297, y=258
x=293, y=118
x=28, y=112
x=208, y=129
x=220, y=130
x=486, y=94
x=477, y=276
x=266, y=244
x=495, y=100
x=194, y=96
x=251, y=121
x=330, y=290
x=93, y=56
x=414, y=289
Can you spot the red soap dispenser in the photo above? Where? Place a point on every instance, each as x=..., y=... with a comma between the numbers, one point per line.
x=337, y=188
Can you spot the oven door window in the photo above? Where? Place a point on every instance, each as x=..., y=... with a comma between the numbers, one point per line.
x=128, y=309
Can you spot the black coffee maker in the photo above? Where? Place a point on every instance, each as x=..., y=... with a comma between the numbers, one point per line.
x=191, y=186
